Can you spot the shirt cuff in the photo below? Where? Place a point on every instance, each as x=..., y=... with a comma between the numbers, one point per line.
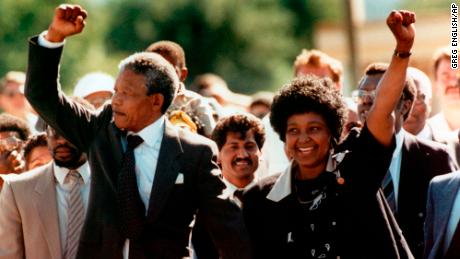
x=48, y=44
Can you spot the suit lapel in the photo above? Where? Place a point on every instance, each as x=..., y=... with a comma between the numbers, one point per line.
x=114, y=138
x=407, y=167
x=45, y=204
x=166, y=171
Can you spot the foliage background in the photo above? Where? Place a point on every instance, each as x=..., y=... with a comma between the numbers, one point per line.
x=250, y=43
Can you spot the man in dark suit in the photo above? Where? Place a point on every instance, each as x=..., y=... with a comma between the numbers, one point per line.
x=144, y=209
x=415, y=161
x=442, y=235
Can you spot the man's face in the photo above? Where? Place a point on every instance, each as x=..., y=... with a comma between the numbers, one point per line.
x=12, y=100
x=64, y=153
x=420, y=111
x=366, y=95
x=447, y=86
x=239, y=158
x=321, y=71
x=133, y=110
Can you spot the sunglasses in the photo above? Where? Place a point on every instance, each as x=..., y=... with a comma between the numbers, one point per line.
x=359, y=95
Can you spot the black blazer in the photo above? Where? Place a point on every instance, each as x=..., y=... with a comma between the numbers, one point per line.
x=421, y=161
x=172, y=206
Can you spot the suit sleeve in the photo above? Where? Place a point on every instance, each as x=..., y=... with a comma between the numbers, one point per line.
x=220, y=215
x=429, y=222
x=12, y=242
x=70, y=119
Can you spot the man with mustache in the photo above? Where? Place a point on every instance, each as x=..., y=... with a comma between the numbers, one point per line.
x=447, y=122
x=239, y=139
x=42, y=210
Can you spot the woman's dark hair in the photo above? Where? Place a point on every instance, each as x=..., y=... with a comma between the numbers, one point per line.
x=309, y=94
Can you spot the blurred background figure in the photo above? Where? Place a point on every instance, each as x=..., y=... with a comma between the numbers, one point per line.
x=416, y=123
x=214, y=86
x=192, y=103
x=36, y=151
x=96, y=88
x=261, y=104
x=12, y=100
x=13, y=133
x=447, y=122
x=315, y=62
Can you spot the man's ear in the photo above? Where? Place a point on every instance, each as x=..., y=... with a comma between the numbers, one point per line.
x=157, y=101
x=183, y=74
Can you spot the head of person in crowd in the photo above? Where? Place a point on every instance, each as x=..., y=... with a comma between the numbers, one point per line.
x=315, y=62
x=309, y=114
x=36, y=151
x=96, y=88
x=214, y=86
x=173, y=53
x=239, y=139
x=64, y=153
x=422, y=105
x=144, y=89
x=261, y=104
x=12, y=100
x=13, y=133
x=446, y=79
x=365, y=95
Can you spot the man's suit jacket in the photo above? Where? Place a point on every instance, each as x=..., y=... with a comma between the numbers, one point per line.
x=441, y=197
x=421, y=161
x=172, y=205
x=29, y=223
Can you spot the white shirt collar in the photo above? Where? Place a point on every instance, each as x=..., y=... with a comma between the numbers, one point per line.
x=425, y=133
x=61, y=172
x=152, y=132
x=232, y=188
x=282, y=186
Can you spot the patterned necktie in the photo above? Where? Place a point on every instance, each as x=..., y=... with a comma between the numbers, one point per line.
x=453, y=252
x=75, y=215
x=130, y=206
x=388, y=190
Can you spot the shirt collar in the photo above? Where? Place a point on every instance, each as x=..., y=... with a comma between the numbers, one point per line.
x=232, y=188
x=282, y=186
x=61, y=172
x=425, y=133
x=152, y=132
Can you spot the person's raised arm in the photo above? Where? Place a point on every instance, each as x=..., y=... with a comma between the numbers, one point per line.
x=68, y=20
x=380, y=121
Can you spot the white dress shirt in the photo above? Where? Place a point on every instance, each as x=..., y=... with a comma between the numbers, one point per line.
x=146, y=155
x=395, y=166
x=63, y=188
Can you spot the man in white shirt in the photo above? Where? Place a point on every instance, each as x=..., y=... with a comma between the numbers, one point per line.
x=239, y=139
x=446, y=86
x=148, y=177
x=40, y=216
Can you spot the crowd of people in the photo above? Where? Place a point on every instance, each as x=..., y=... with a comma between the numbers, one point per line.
x=143, y=166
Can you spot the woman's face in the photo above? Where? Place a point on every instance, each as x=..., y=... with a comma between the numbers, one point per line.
x=308, y=141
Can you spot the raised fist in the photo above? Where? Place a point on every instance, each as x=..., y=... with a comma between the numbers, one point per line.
x=401, y=24
x=68, y=20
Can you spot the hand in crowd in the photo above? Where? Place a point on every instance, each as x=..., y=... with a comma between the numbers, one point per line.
x=401, y=24
x=68, y=20
x=16, y=160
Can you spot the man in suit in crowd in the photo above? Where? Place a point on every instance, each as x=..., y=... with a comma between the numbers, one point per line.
x=148, y=178
x=239, y=139
x=40, y=217
x=442, y=235
x=415, y=161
